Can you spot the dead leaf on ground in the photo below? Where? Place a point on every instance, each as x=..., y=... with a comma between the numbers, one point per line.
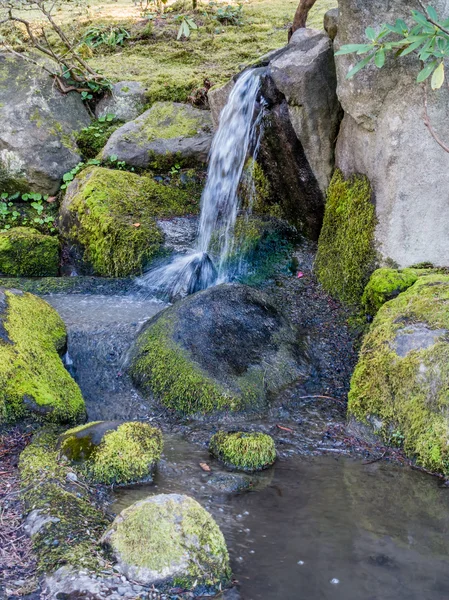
x=284, y=428
x=205, y=467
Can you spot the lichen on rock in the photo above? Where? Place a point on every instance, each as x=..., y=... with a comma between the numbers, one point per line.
x=245, y=451
x=24, y=252
x=400, y=385
x=33, y=380
x=169, y=540
x=112, y=216
x=113, y=452
x=346, y=254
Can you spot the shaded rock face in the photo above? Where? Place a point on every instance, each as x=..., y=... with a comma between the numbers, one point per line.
x=384, y=137
x=168, y=538
x=226, y=348
x=126, y=101
x=37, y=137
x=399, y=386
x=166, y=134
x=305, y=75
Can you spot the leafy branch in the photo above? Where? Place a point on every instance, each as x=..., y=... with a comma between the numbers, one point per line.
x=429, y=39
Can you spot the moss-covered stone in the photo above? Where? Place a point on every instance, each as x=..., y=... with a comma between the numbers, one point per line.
x=385, y=284
x=113, y=452
x=224, y=349
x=71, y=523
x=33, y=380
x=401, y=382
x=346, y=255
x=112, y=216
x=167, y=134
x=243, y=451
x=24, y=252
x=170, y=540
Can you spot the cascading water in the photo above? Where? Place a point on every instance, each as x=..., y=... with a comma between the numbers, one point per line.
x=237, y=139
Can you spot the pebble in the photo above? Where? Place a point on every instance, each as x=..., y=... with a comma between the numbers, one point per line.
x=300, y=562
x=335, y=581
x=122, y=590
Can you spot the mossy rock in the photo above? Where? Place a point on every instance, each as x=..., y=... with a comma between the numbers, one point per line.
x=243, y=451
x=384, y=285
x=63, y=519
x=227, y=348
x=111, y=215
x=170, y=541
x=112, y=452
x=168, y=133
x=24, y=252
x=33, y=380
x=401, y=382
x=346, y=254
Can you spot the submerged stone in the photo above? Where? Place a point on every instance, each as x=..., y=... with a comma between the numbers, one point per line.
x=111, y=216
x=226, y=348
x=168, y=133
x=245, y=451
x=400, y=385
x=24, y=252
x=112, y=452
x=169, y=540
x=33, y=380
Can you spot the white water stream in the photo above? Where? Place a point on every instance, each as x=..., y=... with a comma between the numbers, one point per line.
x=237, y=139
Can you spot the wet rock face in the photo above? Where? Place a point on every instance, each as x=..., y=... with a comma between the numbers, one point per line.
x=400, y=383
x=225, y=348
x=39, y=123
x=168, y=133
x=126, y=101
x=167, y=539
x=384, y=137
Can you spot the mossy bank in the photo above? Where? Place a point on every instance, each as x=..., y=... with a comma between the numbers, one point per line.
x=25, y=252
x=400, y=385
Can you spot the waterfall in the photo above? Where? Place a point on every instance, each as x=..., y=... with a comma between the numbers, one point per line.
x=237, y=139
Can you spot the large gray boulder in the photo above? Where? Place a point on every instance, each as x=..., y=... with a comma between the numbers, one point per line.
x=39, y=123
x=305, y=75
x=384, y=137
x=227, y=348
x=126, y=101
x=167, y=133
x=167, y=538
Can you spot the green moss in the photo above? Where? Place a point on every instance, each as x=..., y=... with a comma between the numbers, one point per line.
x=72, y=535
x=91, y=140
x=33, y=380
x=243, y=451
x=168, y=121
x=171, y=69
x=163, y=368
x=346, y=256
x=126, y=454
x=167, y=530
x=386, y=284
x=25, y=252
x=61, y=285
x=408, y=394
x=113, y=217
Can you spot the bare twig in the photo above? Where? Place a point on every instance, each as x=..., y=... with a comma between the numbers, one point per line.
x=428, y=123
